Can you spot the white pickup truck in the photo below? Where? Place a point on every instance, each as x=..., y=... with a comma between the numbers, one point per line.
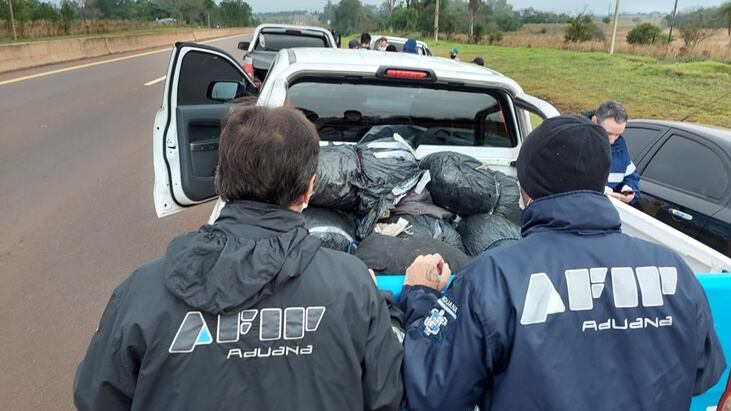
x=434, y=103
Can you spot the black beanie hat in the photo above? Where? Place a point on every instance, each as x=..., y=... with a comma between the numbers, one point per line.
x=565, y=153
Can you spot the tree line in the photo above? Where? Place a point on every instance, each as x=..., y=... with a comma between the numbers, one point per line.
x=489, y=19
x=474, y=17
x=227, y=13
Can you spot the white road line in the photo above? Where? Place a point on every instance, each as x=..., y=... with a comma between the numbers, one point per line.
x=155, y=81
x=147, y=53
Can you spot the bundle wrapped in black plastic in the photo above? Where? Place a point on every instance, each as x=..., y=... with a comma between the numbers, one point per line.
x=508, y=204
x=388, y=170
x=425, y=226
x=482, y=232
x=394, y=255
x=335, y=229
x=336, y=170
x=461, y=183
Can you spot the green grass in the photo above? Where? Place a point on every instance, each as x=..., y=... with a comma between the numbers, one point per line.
x=575, y=81
x=578, y=81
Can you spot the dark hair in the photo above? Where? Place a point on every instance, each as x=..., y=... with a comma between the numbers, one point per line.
x=267, y=155
x=365, y=38
x=353, y=44
x=391, y=47
x=613, y=110
x=479, y=61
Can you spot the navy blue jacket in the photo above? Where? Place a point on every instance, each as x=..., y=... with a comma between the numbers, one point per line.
x=576, y=316
x=623, y=171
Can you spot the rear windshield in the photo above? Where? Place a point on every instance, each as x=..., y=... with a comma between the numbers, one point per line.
x=424, y=115
x=278, y=41
x=399, y=46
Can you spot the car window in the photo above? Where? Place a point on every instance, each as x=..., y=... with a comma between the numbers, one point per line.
x=688, y=165
x=639, y=138
x=423, y=115
x=197, y=71
x=278, y=41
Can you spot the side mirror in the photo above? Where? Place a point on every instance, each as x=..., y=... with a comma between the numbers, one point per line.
x=244, y=45
x=223, y=90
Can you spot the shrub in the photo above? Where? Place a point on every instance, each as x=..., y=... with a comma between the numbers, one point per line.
x=645, y=33
x=582, y=28
x=495, y=37
x=477, y=33
x=693, y=34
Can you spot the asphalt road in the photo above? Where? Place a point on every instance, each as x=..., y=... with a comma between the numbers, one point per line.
x=76, y=212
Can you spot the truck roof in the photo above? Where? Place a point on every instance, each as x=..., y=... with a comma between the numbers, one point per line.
x=290, y=26
x=361, y=60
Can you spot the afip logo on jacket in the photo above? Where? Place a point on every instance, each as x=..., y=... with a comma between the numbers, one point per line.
x=274, y=324
x=436, y=320
x=586, y=285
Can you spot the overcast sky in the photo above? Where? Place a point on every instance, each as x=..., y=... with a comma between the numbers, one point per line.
x=570, y=6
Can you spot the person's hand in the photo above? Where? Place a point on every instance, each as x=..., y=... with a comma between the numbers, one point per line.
x=623, y=197
x=429, y=271
x=608, y=191
x=627, y=197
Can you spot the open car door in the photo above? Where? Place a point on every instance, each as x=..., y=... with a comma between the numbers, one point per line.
x=201, y=81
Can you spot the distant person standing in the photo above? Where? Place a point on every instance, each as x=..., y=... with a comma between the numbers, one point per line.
x=624, y=182
x=365, y=41
x=454, y=54
x=382, y=44
x=410, y=47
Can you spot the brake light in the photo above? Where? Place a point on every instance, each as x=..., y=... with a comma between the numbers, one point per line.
x=249, y=70
x=409, y=74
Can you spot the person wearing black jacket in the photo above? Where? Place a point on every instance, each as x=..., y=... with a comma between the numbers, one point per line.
x=250, y=312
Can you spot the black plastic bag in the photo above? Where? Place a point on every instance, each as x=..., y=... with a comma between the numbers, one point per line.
x=388, y=171
x=392, y=255
x=425, y=226
x=482, y=232
x=508, y=204
x=336, y=170
x=461, y=183
x=335, y=229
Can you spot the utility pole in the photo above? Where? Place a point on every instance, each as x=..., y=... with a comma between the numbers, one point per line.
x=436, y=22
x=672, y=22
x=12, y=19
x=614, y=27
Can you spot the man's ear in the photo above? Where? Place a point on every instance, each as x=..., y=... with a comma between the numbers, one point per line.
x=594, y=120
x=310, y=190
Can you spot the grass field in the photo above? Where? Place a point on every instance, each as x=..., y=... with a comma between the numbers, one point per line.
x=649, y=87
x=576, y=81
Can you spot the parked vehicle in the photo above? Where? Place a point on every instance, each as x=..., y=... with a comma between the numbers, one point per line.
x=399, y=42
x=685, y=172
x=268, y=39
x=432, y=102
